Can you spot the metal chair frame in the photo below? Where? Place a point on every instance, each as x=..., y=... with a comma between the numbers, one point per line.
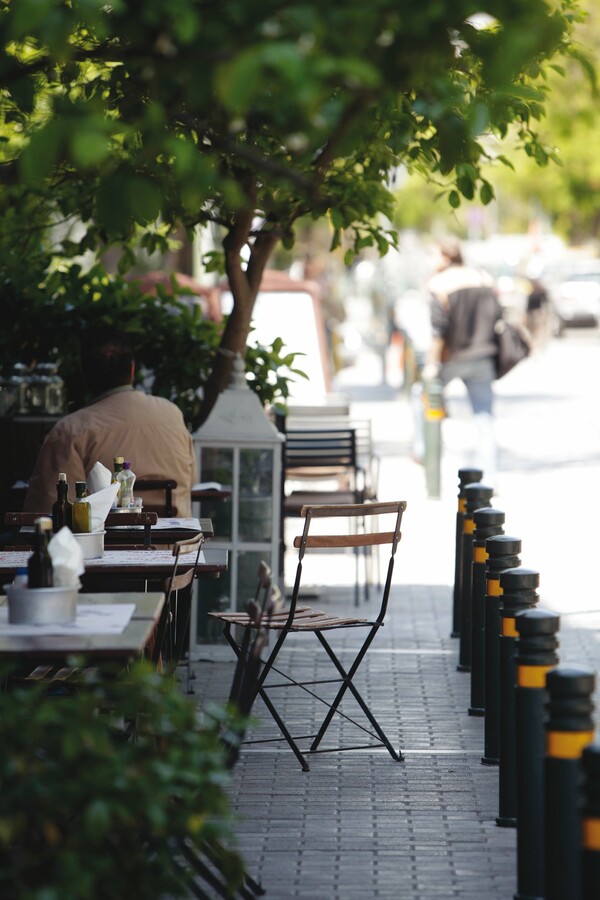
x=175, y=618
x=167, y=485
x=314, y=454
x=304, y=619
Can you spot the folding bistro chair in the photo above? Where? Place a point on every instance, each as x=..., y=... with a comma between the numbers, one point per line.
x=246, y=677
x=301, y=620
x=208, y=865
x=167, y=485
x=173, y=626
x=326, y=460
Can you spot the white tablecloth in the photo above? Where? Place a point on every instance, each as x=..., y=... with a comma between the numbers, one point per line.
x=100, y=618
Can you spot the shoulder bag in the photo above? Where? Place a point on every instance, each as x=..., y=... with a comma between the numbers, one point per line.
x=513, y=345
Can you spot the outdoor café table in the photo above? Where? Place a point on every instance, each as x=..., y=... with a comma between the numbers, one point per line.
x=124, y=527
x=126, y=567
x=36, y=644
x=164, y=531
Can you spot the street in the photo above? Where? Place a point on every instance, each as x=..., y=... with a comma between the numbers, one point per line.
x=548, y=482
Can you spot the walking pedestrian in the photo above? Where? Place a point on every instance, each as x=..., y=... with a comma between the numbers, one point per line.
x=537, y=312
x=464, y=312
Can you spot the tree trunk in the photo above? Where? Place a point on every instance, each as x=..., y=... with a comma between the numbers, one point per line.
x=244, y=286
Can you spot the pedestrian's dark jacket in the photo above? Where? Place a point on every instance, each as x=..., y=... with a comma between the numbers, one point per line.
x=466, y=321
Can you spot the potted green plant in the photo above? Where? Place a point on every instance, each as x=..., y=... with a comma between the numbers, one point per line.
x=103, y=787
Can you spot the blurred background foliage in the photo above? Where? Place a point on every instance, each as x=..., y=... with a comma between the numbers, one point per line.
x=255, y=117
x=50, y=301
x=559, y=190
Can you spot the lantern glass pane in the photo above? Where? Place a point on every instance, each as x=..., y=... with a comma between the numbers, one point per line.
x=216, y=464
x=256, y=495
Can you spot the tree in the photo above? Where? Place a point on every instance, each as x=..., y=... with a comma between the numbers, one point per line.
x=566, y=193
x=250, y=116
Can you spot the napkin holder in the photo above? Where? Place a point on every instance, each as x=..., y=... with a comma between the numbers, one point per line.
x=91, y=543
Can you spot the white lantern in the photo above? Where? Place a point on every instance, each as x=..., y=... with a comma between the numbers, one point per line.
x=238, y=448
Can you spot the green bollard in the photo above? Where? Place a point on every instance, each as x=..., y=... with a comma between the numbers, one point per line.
x=503, y=553
x=465, y=477
x=433, y=399
x=569, y=729
x=535, y=656
x=591, y=822
x=477, y=496
x=519, y=591
x=488, y=522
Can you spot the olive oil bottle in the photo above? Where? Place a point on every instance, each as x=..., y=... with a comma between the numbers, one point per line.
x=82, y=511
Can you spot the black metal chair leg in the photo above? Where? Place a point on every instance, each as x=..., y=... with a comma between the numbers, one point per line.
x=263, y=694
x=347, y=684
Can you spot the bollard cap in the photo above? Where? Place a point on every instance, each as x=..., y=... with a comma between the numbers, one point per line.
x=568, y=681
x=519, y=579
x=532, y=622
x=469, y=476
x=478, y=490
x=477, y=496
x=487, y=515
x=503, y=545
x=591, y=760
x=570, y=705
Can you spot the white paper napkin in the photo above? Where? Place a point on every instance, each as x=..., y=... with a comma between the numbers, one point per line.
x=99, y=477
x=101, y=503
x=67, y=558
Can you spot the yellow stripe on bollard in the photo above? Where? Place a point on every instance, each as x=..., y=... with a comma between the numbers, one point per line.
x=462, y=504
x=509, y=628
x=532, y=676
x=567, y=744
x=480, y=554
x=469, y=526
x=591, y=834
x=493, y=587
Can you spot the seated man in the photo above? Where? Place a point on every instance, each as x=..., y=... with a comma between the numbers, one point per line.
x=148, y=431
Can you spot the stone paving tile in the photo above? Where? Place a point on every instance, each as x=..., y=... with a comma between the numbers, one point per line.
x=359, y=824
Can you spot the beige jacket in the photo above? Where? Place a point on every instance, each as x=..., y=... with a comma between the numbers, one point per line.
x=148, y=431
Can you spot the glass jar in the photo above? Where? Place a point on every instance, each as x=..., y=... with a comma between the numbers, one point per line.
x=54, y=399
x=7, y=397
x=19, y=387
x=37, y=388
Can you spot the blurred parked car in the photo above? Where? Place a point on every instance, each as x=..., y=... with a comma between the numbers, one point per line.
x=575, y=301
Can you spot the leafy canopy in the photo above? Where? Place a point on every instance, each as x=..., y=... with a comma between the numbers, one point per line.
x=192, y=110
x=253, y=115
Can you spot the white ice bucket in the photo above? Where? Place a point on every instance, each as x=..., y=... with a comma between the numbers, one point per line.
x=41, y=606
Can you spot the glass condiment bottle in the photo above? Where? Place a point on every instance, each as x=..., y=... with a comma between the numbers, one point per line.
x=126, y=479
x=117, y=467
x=39, y=564
x=82, y=511
x=62, y=510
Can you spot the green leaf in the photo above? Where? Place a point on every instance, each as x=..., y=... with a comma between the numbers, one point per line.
x=42, y=153
x=486, y=193
x=89, y=147
x=145, y=200
x=454, y=199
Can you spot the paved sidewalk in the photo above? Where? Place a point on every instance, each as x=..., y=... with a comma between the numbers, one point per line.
x=360, y=825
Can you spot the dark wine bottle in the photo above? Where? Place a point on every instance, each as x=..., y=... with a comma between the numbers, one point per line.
x=39, y=564
x=62, y=511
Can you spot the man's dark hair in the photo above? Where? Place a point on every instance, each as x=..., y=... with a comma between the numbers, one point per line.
x=106, y=360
